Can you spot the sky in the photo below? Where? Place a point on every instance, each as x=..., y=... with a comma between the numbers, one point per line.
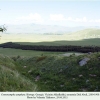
x=50, y=12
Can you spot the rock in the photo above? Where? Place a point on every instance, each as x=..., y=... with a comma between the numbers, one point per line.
x=89, y=53
x=29, y=71
x=61, y=85
x=84, y=89
x=84, y=61
x=45, y=82
x=37, y=78
x=25, y=66
x=64, y=68
x=80, y=75
x=92, y=75
x=87, y=81
x=73, y=79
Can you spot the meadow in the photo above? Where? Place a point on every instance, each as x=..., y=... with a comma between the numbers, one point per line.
x=84, y=42
x=25, y=53
x=26, y=70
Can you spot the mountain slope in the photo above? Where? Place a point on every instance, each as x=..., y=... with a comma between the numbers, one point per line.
x=86, y=34
x=38, y=28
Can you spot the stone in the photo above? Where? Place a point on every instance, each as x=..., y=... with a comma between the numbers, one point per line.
x=89, y=53
x=25, y=66
x=29, y=71
x=80, y=75
x=61, y=85
x=45, y=82
x=84, y=61
x=73, y=78
x=87, y=81
x=37, y=78
x=92, y=75
x=84, y=89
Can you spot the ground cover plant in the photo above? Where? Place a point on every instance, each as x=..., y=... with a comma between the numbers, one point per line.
x=82, y=42
x=49, y=72
x=11, y=79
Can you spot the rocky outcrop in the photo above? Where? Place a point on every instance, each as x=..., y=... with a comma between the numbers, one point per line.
x=84, y=61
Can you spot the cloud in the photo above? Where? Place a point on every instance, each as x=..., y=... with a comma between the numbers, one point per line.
x=31, y=18
x=60, y=17
x=95, y=20
x=57, y=17
x=69, y=19
x=53, y=18
x=84, y=19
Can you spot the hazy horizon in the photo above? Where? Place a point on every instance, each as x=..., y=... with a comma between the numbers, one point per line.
x=57, y=12
x=52, y=16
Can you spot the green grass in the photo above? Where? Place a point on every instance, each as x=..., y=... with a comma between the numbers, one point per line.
x=62, y=73
x=11, y=79
x=84, y=42
x=25, y=53
x=19, y=69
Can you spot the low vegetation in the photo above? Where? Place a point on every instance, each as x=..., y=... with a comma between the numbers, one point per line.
x=49, y=73
x=63, y=48
x=11, y=79
x=82, y=42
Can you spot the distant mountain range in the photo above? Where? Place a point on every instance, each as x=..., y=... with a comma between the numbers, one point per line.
x=43, y=29
x=46, y=33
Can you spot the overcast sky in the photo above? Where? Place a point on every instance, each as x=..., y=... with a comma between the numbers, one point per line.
x=50, y=12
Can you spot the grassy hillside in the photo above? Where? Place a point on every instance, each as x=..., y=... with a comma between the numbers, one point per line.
x=11, y=79
x=49, y=73
x=88, y=33
x=25, y=53
x=59, y=73
x=84, y=42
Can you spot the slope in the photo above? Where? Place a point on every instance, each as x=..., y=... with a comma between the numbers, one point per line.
x=11, y=79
